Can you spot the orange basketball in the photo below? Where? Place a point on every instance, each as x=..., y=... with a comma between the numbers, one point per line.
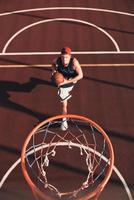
x=58, y=78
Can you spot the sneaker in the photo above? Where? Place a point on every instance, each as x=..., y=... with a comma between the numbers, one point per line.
x=64, y=124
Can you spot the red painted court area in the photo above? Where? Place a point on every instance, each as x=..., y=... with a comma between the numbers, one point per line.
x=101, y=36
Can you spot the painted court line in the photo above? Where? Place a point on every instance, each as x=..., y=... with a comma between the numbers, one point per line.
x=82, y=65
x=128, y=192
x=57, y=53
x=67, y=8
x=61, y=19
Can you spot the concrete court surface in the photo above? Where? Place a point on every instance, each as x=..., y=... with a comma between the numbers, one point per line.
x=104, y=31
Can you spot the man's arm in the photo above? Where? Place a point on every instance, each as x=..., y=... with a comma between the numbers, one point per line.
x=53, y=67
x=79, y=71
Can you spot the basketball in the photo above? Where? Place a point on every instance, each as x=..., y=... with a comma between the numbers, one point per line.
x=58, y=78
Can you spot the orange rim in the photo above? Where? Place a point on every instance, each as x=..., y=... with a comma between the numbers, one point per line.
x=99, y=188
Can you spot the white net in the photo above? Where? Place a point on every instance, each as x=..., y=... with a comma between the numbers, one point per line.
x=67, y=164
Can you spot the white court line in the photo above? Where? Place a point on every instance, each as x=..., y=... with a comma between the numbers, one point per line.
x=61, y=19
x=82, y=65
x=57, y=53
x=4, y=178
x=67, y=8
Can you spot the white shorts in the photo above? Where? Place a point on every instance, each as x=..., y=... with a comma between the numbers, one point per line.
x=64, y=91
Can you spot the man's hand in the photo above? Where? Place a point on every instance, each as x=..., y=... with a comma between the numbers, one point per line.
x=64, y=82
x=67, y=82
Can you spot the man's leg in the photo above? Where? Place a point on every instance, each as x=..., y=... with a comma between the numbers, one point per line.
x=64, y=94
x=64, y=124
x=64, y=107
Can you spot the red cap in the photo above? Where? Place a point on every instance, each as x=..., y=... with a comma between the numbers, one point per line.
x=65, y=50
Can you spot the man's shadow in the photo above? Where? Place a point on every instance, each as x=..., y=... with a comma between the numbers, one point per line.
x=9, y=86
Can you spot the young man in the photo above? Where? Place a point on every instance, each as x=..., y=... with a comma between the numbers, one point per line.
x=70, y=68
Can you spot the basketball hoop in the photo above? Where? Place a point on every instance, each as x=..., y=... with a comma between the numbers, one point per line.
x=46, y=143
